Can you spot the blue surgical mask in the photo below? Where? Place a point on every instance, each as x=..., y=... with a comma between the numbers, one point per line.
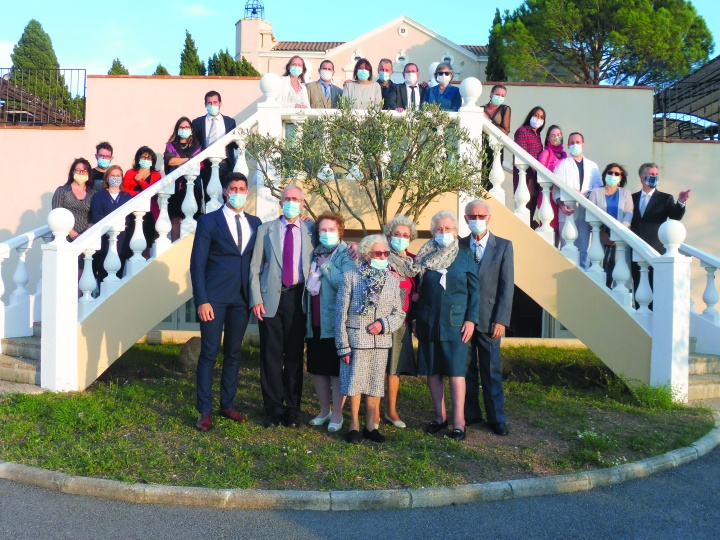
x=213, y=110
x=651, y=181
x=575, y=149
x=444, y=239
x=363, y=74
x=296, y=71
x=384, y=76
x=145, y=163
x=497, y=100
x=329, y=239
x=291, y=209
x=477, y=226
x=399, y=244
x=103, y=163
x=184, y=133
x=237, y=200
x=611, y=180
x=379, y=264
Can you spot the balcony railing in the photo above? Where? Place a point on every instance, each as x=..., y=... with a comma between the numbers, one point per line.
x=688, y=110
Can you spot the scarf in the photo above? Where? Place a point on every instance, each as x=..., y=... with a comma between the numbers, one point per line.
x=432, y=256
x=402, y=264
x=558, y=150
x=374, y=281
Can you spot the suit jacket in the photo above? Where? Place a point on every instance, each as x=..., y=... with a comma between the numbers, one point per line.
x=219, y=272
x=660, y=208
x=387, y=91
x=316, y=96
x=399, y=98
x=266, y=264
x=351, y=327
x=198, y=126
x=496, y=275
x=441, y=312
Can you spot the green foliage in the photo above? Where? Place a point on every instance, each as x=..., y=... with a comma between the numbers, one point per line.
x=160, y=70
x=495, y=69
x=190, y=63
x=395, y=165
x=655, y=397
x=117, y=68
x=612, y=41
x=223, y=63
x=34, y=50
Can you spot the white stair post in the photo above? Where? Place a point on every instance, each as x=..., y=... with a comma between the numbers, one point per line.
x=569, y=231
x=522, y=194
x=59, y=345
x=671, y=313
x=596, y=252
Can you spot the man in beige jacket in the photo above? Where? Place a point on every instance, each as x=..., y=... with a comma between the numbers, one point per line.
x=322, y=93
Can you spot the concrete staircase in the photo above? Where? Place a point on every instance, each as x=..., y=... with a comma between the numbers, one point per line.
x=20, y=359
x=704, y=380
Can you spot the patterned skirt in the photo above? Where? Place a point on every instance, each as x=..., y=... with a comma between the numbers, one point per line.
x=365, y=374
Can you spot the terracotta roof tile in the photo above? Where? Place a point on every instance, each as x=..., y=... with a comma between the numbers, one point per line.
x=306, y=45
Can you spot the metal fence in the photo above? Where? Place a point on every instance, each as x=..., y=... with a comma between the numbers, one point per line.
x=688, y=110
x=37, y=97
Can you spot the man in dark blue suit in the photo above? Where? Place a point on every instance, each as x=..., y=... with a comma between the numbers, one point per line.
x=220, y=273
x=494, y=259
x=208, y=129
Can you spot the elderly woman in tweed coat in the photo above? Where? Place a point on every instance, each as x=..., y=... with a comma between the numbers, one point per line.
x=368, y=310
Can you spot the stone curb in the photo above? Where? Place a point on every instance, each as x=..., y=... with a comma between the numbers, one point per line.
x=247, y=499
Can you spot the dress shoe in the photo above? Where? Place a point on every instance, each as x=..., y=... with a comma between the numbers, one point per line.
x=320, y=420
x=353, y=437
x=272, y=421
x=333, y=426
x=233, y=415
x=397, y=423
x=373, y=435
x=473, y=421
x=500, y=429
x=291, y=420
x=434, y=426
x=457, y=434
x=203, y=423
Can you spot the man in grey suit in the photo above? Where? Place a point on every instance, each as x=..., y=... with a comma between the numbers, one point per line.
x=494, y=258
x=278, y=270
x=323, y=94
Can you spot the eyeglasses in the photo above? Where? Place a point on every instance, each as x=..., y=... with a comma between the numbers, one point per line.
x=477, y=216
x=614, y=173
x=444, y=73
x=380, y=254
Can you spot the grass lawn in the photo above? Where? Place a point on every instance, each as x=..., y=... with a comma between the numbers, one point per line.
x=566, y=413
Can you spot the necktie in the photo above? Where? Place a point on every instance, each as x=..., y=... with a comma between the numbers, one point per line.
x=478, y=253
x=643, y=203
x=412, y=95
x=239, y=232
x=288, y=269
x=213, y=131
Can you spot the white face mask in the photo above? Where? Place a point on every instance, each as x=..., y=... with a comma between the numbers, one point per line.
x=411, y=78
x=326, y=74
x=443, y=79
x=536, y=122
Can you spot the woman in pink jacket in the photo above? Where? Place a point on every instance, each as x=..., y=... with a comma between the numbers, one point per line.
x=552, y=154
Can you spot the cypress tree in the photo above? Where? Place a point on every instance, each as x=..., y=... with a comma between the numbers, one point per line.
x=117, y=68
x=495, y=69
x=160, y=70
x=190, y=63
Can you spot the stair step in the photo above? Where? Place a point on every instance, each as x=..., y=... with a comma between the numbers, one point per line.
x=703, y=387
x=19, y=370
x=24, y=347
x=703, y=364
x=37, y=329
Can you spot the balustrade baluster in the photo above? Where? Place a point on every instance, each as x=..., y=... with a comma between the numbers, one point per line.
x=522, y=194
x=112, y=262
x=644, y=293
x=545, y=213
x=621, y=274
x=497, y=174
x=163, y=225
x=595, y=252
x=137, y=245
x=21, y=276
x=241, y=165
x=569, y=232
x=214, y=188
x=189, y=206
x=710, y=295
x=87, y=283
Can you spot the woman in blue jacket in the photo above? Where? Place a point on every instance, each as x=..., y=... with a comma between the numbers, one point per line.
x=444, y=94
x=447, y=311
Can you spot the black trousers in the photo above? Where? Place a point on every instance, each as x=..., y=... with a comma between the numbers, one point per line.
x=282, y=341
x=483, y=366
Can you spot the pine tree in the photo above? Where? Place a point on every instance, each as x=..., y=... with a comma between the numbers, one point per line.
x=223, y=63
x=34, y=50
x=160, y=70
x=495, y=69
x=117, y=68
x=190, y=63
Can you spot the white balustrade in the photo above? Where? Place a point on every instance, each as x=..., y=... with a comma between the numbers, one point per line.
x=138, y=244
x=214, y=187
x=569, y=232
x=470, y=91
x=87, y=283
x=621, y=273
x=163, y=226
x=522, y=194
x=112, y=262
x=644, y=293
x=241, y=165
x=21, y=277
x=710, y=295
x=545, y=213
x=497, y=174
x=596, y=252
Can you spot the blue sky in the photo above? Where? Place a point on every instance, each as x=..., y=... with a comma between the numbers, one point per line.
x=90, y=35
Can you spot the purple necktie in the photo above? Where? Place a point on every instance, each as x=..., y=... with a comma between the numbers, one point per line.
x=288, y=257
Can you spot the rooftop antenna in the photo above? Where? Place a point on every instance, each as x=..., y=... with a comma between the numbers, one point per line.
x=254, y=9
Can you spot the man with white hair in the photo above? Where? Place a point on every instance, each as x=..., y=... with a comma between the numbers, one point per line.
x=494, y=259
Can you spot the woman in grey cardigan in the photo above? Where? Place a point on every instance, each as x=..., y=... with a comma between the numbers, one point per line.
x=330, y=259
x=367, y=312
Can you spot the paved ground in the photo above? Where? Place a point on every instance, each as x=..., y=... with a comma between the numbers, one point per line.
x=683, y=503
